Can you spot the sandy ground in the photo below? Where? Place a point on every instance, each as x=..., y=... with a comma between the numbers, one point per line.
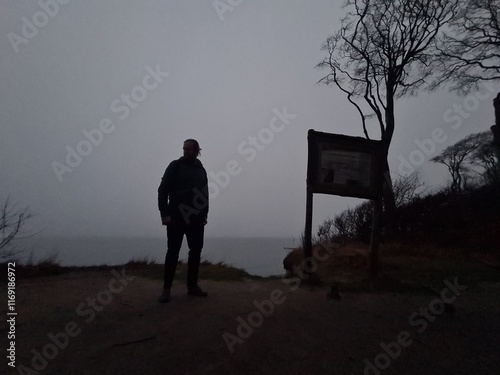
x=104, y=324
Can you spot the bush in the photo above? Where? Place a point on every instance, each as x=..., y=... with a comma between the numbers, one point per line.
x=467, y=220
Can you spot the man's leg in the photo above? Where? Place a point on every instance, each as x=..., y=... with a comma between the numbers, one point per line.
x=194, y=235
x=175, y=233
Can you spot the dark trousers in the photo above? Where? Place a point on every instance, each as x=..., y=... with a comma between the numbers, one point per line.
x=175, y=233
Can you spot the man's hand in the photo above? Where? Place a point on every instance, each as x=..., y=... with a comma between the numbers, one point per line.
x=166, y=220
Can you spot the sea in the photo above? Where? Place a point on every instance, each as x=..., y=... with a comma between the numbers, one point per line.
x=258, y=256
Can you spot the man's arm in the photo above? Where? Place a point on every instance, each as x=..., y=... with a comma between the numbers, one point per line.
x=165, y=191
x=205, y=192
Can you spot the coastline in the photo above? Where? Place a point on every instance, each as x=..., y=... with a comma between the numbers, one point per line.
x=261, y=256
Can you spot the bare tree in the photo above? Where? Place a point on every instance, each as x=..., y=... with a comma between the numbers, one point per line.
x=381, y=53
x=484, y=160
x=469, y=52
x=12, y=220
x=458, y=159
x=407, y=189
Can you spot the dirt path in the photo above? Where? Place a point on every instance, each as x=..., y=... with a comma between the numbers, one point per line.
x=125, y=331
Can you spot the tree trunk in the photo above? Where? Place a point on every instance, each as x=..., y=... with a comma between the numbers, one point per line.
x=496, y=133
x=389, y=200
x=389, y=204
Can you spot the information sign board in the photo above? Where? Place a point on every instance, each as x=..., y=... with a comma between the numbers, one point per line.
x=344, y=165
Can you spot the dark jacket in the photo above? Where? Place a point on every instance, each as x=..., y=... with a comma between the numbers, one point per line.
x=183, y=192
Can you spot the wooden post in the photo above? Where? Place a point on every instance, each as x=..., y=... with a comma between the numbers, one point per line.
x=495, y=129
x=308, y=228
x=375, y=237
x=311, y=178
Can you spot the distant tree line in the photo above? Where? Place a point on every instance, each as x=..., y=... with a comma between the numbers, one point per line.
x=471, y=162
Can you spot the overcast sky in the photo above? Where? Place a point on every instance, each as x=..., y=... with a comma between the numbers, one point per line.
x=97, y=98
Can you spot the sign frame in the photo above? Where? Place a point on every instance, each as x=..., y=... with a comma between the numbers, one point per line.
x=354, y=151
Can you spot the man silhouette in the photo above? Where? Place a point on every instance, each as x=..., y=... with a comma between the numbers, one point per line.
x=183, y=205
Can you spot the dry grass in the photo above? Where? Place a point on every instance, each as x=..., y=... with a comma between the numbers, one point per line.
x=144, y=267
x=346, y=265
x=402, y=267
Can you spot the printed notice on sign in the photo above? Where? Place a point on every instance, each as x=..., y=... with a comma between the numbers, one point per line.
x=350, y=168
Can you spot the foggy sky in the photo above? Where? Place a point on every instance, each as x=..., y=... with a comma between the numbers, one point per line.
x=134, y=79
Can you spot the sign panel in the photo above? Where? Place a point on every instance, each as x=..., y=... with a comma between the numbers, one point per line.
x=344, y=165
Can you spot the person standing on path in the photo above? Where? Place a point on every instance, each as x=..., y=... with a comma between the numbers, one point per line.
x=183, y=205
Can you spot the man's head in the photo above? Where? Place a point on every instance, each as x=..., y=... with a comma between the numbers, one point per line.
x=191, y=149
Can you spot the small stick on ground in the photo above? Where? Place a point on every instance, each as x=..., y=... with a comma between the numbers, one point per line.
x=135, y=341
